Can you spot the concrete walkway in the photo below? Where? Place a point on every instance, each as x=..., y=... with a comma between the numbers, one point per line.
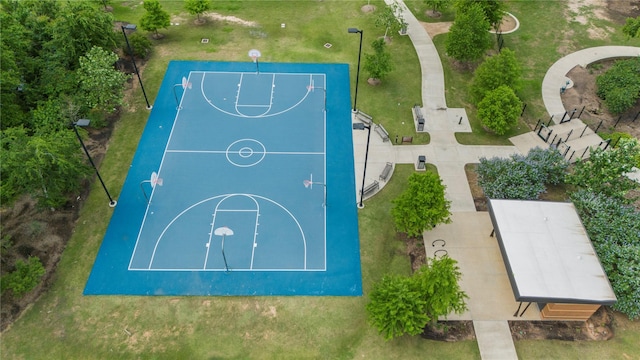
x=466, y=239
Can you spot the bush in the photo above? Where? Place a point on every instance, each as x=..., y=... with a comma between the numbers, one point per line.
x=619, y=87
x=26, y=276
x=140, y=45
x=521, y=177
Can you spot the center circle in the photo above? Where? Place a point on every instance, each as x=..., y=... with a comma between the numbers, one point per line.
x=245, y=152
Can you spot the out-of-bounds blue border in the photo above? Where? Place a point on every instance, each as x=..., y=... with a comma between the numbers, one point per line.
x=110, y=274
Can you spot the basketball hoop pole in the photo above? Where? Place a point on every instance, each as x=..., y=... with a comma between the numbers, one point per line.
x=223, y=231
x=257, y=65
x=226, y=266
x=176, y=96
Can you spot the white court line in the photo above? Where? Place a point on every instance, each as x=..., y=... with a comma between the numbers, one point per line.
x=303, y=237
x=236, y=152
x=264, y=115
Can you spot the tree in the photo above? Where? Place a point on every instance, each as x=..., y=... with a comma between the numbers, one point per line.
x=390, y=18
x=405, y=305
x=197, y=7
x=46, y=166
x=422, y=205
x=500, y=69
x=493, y=10
x=468, y=38
x=101, y=84
x=632, y=27
x=155, y=18
x=604, y=171
x=613, y=228
x=378, y=64
x=396, y=307
x=521, y=177
x=499, y=110
x=438, y=5
x=619, y=87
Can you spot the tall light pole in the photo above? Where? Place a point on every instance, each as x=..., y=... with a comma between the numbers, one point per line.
x=361, y=126
x=133, y=61
x=354, y=31
x=85, y=122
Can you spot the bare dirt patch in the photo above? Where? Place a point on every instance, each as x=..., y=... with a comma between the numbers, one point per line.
x=228, y=18
x=583, y=96
x=508, y=23
x=368, y=8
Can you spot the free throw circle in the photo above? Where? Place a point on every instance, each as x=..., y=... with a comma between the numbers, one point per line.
x=245, y=152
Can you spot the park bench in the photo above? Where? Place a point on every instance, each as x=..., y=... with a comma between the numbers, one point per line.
x=417, y=112
x=382, y=132
x=407, y=139
x=371, y=188
x=364, y=118
x=384, y=175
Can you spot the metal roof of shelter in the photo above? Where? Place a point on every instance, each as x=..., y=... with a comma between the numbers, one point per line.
x=548, y=254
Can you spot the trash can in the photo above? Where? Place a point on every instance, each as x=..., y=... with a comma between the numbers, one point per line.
x=420, y=124
x=420, y=165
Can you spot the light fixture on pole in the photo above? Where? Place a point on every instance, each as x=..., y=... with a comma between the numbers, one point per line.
x=354, y=31
x=361, y=126
x=85, y=122
x=133, y=61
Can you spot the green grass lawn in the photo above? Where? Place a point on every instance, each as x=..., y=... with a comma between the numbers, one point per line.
x=63, y=324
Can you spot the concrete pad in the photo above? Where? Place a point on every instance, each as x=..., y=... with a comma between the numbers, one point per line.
x=494, y=340
x=484, y=276
x=528, y=141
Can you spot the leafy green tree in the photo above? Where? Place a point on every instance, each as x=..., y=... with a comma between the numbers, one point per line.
x=378, y=64
x=521, y=177
x=24, y=278
x=422, y=205
x=499, y=110
x=604, y=171
x=619, y=87
x=405, y=305
x=397, y=307
x=155, y=18
x=47, y=166
x=390, y=18
x=500, y=69
x=493, y=10
x=632, y=27
x=78, y=28
x=613, y=228
x=101, y=84
x=468, y=38
x=438, y=5
x=197, y=7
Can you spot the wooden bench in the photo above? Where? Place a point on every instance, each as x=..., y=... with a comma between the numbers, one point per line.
x=382, y=132
x=371, y=188
x=407, y=139
x=384, y=175
x=364, y=118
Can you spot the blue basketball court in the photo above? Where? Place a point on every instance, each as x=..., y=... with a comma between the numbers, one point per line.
x=242, y=184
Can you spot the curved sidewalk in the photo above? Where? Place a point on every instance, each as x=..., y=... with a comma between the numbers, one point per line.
x=556, y=76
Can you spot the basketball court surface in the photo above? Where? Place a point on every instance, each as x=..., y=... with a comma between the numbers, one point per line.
x=242, y=184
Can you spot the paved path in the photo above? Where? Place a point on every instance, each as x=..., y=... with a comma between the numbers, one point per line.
x=467, y=237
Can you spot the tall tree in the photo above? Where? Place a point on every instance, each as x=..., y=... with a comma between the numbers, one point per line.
x=378, y=64
x=390, y=18
x=438, y=6
x=405, y=305
x=155, y=18
x=604, y=171
x=497, y=70
x=493, y=9
x=468, y=38
x=422, y=205
x=101, y=85
x=499, y=110
x=197, y=7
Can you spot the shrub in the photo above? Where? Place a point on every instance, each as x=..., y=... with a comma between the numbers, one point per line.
x=499, y=110
x=26, y=276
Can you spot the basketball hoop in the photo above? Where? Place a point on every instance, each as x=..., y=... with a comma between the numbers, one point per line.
x=254, y=54
x=155, y=180
x=185, y=83
x=308, y=183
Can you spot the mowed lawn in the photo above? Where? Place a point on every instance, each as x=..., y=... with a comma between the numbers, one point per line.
x=64, y=324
